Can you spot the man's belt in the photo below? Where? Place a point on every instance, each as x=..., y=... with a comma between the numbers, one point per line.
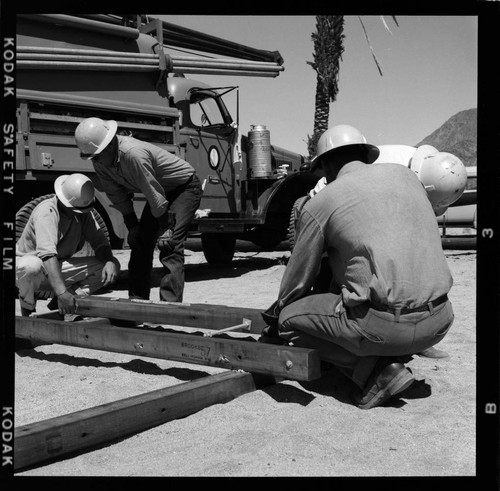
x=428, y=306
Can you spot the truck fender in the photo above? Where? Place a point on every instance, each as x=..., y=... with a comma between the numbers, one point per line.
x=283, y=194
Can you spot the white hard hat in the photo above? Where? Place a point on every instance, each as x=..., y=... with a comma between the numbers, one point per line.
x=93, y=135
x=341, y=136
x=75, y=191
x=443, y=175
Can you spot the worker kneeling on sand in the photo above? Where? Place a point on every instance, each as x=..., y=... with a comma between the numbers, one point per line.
x=56, y=230
x=388, y=296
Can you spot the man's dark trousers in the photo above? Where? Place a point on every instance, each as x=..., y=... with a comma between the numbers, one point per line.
x=184, y=201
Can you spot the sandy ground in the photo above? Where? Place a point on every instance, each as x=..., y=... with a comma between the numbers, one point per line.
x=287, y=429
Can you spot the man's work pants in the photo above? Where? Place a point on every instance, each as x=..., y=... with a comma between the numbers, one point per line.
x=184, y=201
x=81, y=275
x=353, y=339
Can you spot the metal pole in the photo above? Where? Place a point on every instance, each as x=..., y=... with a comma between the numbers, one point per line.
x=58, y=65
x=88, y=24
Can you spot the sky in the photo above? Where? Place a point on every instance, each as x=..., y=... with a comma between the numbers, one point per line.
x=429, y=66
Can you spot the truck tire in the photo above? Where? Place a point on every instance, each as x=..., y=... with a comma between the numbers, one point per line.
x=294, y=216
x=23, y=214
x=218, y=248
x=22, y=217
x=268, y=238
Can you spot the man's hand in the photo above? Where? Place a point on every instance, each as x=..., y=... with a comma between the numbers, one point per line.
x=109, y=273
x=166, y=224
x=134, y=231
x=66, y=303
x=134, y=237
x=165, y=242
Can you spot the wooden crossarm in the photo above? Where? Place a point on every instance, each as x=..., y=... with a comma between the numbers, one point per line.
x=61, y=436
x=277, y=360
x=181, y=314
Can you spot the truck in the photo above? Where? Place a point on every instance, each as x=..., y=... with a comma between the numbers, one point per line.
x=123, y=68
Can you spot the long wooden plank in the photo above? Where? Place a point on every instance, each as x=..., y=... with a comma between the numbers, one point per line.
x=283, y=361
x=61, y=436
x=181, y=314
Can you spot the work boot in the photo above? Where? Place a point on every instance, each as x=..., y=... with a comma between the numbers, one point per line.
x=433, y=352
x=388, y=378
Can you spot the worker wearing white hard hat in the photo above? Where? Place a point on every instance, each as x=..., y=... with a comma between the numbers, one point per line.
x=343, y=137
x=390, y=279
x=442, y=174
x=55, y=232
x=126, y=165
x=93, y=135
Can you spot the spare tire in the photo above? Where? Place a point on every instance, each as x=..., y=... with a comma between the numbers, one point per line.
x=294, y=216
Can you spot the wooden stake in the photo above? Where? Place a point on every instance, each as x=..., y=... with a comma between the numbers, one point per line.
x=181, y=314
x=61, y=436
x=245, y=326
x=277, y=360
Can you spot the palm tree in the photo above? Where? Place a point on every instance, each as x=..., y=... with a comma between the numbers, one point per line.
x=328, y=41
x=328, y=48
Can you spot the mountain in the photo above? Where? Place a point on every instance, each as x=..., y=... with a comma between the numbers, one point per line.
x=458, y=136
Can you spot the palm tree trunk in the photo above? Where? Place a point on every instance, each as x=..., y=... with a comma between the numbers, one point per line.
x=321, y=109
x=328, y=49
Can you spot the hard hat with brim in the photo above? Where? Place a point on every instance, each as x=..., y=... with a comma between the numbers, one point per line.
x=421, y=153
x=75, y=203
x=372, y=152
x=91, y=129
x=343, y=137
x=442, y=174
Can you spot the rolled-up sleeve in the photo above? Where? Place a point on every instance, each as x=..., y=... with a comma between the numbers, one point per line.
x=303, y=266
x=46, y=230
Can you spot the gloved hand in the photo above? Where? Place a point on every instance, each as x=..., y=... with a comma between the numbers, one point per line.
x=134, y=238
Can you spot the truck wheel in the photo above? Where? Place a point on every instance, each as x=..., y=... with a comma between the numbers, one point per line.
x=294, y=216
x=218, y=248
x=268, y=238
x=22, y=217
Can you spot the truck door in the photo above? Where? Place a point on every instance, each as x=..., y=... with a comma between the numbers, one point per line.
x=209, y=148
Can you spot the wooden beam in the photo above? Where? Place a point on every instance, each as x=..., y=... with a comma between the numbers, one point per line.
x=181, y=314
x=283, y=361
x=61, y=436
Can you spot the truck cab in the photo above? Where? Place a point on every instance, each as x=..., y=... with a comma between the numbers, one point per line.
x=73, y=67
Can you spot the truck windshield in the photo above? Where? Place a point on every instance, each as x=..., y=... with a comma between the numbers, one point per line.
x=205, y=111
x=208, y=107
